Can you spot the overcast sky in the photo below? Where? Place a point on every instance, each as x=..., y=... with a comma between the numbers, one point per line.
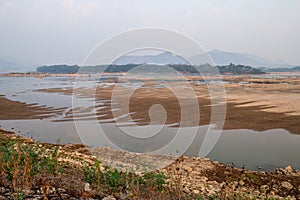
x=65, y=31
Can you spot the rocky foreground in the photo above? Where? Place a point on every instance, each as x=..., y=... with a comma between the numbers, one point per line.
x=74, y=172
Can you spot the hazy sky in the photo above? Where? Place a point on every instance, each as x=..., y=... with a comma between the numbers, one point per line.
x=65, y=31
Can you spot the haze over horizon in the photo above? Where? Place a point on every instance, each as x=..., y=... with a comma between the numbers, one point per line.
x=65, y=31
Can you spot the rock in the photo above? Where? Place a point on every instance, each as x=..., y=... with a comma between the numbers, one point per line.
x=241, y=182
x=3, y=197
x=188, y=169
x=244, y=189
x=204, y=178
x=288, y=170
x=109, y=198
x=264, y=188
x=275, y=197
x=52, y=190
x=287, y=185
x=272, y=193
x=61, y=190
x=216, y=162
x=235, y=183
x=213, y=183
x=196, y=191
x=279, y=171
x=226, y=172
x=27, y=191
x=87, y=187
x=202, y=187
x=187, y=190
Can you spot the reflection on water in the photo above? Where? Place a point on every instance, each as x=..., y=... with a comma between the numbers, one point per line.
x=268, y=149
x=43, y=130
x=20, y=89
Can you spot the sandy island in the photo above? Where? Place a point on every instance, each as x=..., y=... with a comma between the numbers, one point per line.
x=251, y=103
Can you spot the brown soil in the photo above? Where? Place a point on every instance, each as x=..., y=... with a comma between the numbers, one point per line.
x=18, y=110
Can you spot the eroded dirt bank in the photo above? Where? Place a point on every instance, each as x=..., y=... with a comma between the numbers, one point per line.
x=185, y=178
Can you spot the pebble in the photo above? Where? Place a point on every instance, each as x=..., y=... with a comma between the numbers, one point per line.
x=196, y=192
x=2, y=190
x=204, y=178
x=33, y=194
x=188, y=169
x=272, y=193
x=287, y=185
x=109, y=198
x=87, y=187
x=288, y=169
x=241, y=182
x=264, y=187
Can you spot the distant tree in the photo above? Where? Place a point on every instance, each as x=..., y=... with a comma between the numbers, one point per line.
x=183, y=68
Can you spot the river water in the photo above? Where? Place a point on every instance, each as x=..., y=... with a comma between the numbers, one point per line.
x=268, y=149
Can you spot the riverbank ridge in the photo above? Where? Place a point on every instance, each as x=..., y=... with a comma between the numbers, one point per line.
x=72, y=172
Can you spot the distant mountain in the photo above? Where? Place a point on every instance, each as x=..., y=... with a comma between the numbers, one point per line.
x=8, y=64
x=280, y=69
x=163, y=59
x=218, y=57
x=224, y=58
